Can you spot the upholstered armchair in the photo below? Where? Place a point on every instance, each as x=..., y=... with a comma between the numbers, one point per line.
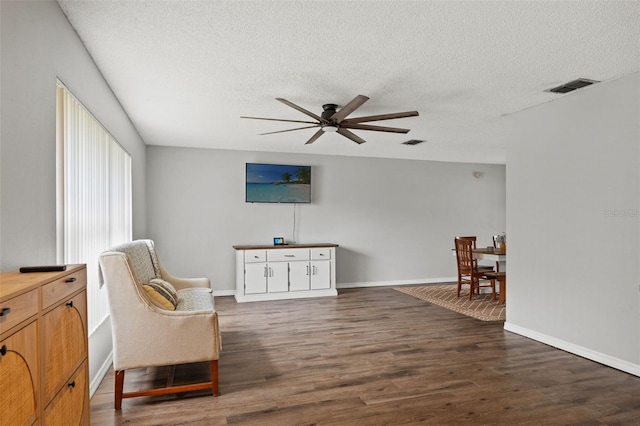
x=157, y=319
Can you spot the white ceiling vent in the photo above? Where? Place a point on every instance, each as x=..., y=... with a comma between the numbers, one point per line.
x=572, y=85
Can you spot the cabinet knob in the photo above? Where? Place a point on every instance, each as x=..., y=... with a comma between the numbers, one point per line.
x=4, y=311
x=70, y=304
x=70, y=280
x=3, y=350
x=72, y=384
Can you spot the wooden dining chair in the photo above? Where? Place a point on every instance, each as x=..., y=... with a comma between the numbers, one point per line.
x=496, y=245
x=473, y=240
x=468, y=271
x=502, y=280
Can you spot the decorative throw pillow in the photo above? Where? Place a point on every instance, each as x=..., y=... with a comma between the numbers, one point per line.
x=162, y=293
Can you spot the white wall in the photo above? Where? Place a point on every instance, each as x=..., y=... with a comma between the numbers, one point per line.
x=573, y=197
x=394, y=220
x=38, y=46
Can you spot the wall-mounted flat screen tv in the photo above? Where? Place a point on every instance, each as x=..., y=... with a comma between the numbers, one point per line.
x=277, y=183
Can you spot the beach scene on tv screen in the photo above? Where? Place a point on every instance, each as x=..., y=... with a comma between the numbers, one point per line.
x=277, y=183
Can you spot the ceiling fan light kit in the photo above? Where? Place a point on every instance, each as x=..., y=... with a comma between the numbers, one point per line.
x=334, y=120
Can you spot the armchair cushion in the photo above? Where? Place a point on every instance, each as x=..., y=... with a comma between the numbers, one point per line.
x=162, y=294
x=195, y=300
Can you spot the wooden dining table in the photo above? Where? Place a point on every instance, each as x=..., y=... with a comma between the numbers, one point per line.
x=495, y=255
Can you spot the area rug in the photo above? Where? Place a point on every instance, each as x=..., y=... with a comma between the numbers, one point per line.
x=480, y=307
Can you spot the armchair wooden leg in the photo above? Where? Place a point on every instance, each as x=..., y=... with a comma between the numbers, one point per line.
x=118, y=389
x=170, y=388
x=214, y=377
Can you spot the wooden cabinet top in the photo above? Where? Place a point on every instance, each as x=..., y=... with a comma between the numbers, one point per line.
x=15, y=283
x=264, y=247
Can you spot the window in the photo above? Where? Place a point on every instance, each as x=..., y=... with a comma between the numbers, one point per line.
x=93, y=195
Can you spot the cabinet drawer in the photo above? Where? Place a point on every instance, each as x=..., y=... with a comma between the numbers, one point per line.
x=280, y=255
x=59, y=289
x=322, y=253
x=251, y=256
x=18, y=309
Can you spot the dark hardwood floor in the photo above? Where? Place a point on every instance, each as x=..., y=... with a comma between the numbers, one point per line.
x=376, y=356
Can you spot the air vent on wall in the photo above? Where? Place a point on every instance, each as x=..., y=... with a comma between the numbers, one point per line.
x=413, y=142
x=572, y=85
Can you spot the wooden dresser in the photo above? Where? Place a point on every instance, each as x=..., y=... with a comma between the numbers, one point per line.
x=43, y=348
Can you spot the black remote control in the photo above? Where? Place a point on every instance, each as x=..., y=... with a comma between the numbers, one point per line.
x=46, y=268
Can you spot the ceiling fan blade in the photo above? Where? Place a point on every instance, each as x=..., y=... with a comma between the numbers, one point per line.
x=349, y=108
x=289, y=130
x=376, y=128
x=280, y=119
x=383, y=117
x=302, y=110
x=315, y=136
x=350, y=135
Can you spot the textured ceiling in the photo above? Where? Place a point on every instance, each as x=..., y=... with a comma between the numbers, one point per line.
x=185, y=71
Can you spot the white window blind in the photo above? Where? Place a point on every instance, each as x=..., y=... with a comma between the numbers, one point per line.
x=94, y=195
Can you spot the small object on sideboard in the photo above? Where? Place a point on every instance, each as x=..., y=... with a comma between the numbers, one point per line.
x=44, y=268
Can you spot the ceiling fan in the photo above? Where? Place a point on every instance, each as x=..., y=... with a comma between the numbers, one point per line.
x=333, y=120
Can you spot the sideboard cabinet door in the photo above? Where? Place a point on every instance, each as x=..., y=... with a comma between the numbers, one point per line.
x=19, y=377
x=65, y=343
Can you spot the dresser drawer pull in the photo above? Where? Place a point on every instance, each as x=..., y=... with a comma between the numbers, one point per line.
x=289, y=255
x=72, y=384
x=70, y=304
x=4, y=311
x=70, y=280
x=3, y=350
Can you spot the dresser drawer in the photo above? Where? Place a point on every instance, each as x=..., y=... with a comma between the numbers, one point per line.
x=280, y=255
x=18, y=309
x=63, y=287
x=251, y=256
x=322, y=253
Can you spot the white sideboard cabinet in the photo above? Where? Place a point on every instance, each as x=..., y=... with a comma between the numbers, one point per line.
x=285, y=272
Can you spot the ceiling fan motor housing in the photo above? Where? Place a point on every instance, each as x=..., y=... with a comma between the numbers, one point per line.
x=329, y=110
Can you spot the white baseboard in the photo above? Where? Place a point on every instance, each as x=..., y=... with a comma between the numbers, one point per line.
x=285, y=295
x=587, y=353
x=104, y=369
x=368, y=284
x=397, y=283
